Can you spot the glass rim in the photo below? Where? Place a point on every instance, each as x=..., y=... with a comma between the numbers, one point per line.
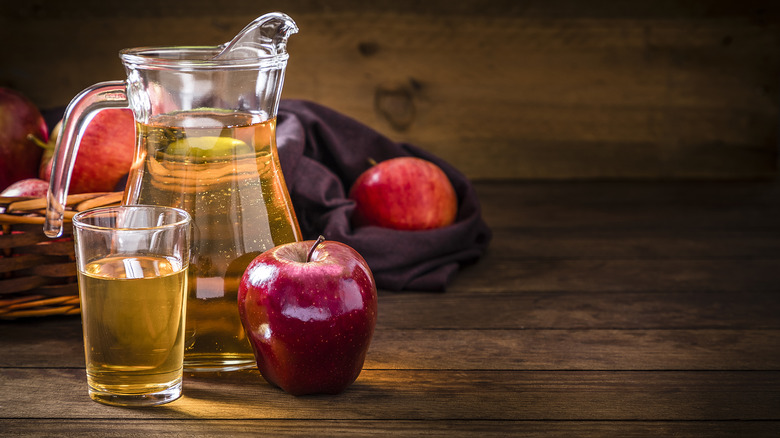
x=185, y=58
x=184, y=218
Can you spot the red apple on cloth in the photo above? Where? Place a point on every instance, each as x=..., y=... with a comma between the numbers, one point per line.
x=106, y=152
x=404, y=193
x=309, y=309
x=33, y=187
x=20, y=124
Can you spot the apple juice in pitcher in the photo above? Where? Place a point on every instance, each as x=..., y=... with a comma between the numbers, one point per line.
x=222, y=168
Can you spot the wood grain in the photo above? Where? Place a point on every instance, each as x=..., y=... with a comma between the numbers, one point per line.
x=394, y=428
x=690, y=207
x=518, y=349
x=565, y=310
x=588, y=276
x=427, y=395
x=656, y=90
x=590, y=315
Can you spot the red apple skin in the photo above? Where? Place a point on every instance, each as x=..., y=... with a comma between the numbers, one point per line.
x=19, y=155
x=404, y=193
x=310, y=323
x=105, y=155
x=32, y=187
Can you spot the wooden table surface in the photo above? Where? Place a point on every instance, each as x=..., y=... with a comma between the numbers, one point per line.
x=603, y=308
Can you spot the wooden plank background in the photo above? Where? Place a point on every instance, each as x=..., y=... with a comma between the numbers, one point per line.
x=544, y=89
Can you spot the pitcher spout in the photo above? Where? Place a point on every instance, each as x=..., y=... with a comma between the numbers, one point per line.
x=265, y=36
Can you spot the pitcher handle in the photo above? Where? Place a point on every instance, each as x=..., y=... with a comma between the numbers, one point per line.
x=80, y=111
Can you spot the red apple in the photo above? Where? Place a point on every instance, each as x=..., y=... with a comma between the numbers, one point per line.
x=105, y=153
x=309, y=309
x=20, y=121
x=404, y=193
x=33, y=187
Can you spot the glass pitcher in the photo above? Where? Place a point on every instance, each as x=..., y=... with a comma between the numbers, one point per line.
x=206, y=143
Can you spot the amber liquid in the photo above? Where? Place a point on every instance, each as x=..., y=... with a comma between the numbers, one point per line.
x=133, y=318
x=223, y=169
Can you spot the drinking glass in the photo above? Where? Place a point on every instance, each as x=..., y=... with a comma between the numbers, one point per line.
x=132, y=263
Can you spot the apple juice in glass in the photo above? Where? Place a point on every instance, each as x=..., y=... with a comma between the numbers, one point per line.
x=133, y=335
x=205, y=142
x=132, y=264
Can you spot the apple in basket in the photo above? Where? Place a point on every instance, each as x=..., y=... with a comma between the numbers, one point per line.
x=404, y=193
x=21, y=123
x=33, y=187
x=106, y=152
x=309, y=309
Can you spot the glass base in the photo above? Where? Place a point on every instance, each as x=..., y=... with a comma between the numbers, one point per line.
x=147, y=399
x=218, y=363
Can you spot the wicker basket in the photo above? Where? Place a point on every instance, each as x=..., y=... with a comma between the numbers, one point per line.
x=38, y=274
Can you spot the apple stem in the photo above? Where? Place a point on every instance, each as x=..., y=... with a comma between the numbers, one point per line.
x=37, y=141
x=313, y=247
x=371, y=161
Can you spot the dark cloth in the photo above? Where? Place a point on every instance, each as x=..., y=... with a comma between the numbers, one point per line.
x=322, y=152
